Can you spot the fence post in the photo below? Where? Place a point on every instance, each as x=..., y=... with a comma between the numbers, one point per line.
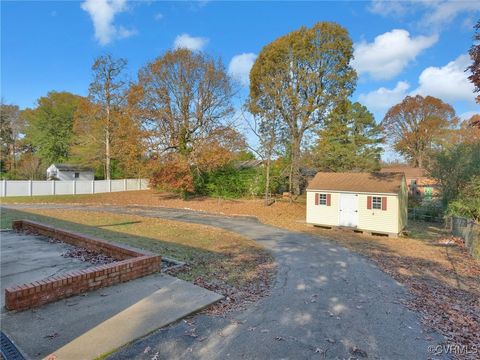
x=30, y=188
x=4, y=187
x=139, y=184
x=109, y=185
x=124, y=184
x=74, y=187
x=53, y=187
x=93, y=186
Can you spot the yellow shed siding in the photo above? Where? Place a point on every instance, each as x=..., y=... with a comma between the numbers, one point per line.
x=392, y=220
x=385, y=221
x=322, y=214
x=403, y=207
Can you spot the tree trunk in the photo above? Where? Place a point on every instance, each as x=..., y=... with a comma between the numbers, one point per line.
x=107, y=145
x=267, y=182
x=295, y=167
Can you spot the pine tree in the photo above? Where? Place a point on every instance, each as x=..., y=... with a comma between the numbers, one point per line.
x=349, y=140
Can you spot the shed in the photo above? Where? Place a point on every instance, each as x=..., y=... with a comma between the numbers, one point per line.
x=69, y=172
x=372, y=202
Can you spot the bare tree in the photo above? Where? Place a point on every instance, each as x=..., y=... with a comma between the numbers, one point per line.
x=108, y=90
x=269, y=133
x=182, y=97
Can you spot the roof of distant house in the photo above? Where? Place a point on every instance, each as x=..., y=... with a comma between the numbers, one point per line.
x=409, y=171
x=72, y=167
x=388, y=183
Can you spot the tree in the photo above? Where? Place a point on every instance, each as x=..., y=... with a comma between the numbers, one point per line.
x=417, y=126
x=108, y=91
x=349, y=140
x=50, y=126
x=454, y=167
x=475, y=56
x=268, y=131
x=468, y=132
x=88, y=148
x=30, y=167
x=11, y=128
x=128, y=146
x=300, y=78
x=467, y=203
x=183, y=100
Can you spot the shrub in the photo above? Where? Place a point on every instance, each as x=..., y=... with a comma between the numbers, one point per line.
x=467, y=203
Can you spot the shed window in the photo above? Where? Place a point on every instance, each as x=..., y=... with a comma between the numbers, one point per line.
x=376, y=202
x=77, y=175
x=322, y=200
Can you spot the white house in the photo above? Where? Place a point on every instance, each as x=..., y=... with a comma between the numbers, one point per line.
x=69, y=172
x=372, y=202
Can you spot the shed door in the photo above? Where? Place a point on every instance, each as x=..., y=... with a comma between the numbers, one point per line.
x=348, y=210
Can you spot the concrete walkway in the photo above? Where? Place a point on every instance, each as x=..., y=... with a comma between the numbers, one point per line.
x=87, y=326
x=327, y=302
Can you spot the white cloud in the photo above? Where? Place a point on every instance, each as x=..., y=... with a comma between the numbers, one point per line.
x=389, y=53
x=443, y=12
x=435, y=14
x=468, y=114
x=239, y=67
x=449, y=83
x=189, y=42
x=158, y=16
x=388, y=8
x=380, y=100
x=103, y=14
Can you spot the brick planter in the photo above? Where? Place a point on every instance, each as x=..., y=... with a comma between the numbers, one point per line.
x=134, y=264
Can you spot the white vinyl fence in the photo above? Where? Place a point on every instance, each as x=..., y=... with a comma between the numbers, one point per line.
x=38, y=188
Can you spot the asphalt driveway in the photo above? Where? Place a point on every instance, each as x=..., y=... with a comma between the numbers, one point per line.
x=326, y=302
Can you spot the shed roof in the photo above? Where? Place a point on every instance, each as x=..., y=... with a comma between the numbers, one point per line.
x=389, y=183
x=71, y=167
x=409, y=171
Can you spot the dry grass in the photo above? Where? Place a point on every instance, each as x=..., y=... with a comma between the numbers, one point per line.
x=231, y=264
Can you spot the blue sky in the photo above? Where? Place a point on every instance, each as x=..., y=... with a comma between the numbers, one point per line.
x=401, y=48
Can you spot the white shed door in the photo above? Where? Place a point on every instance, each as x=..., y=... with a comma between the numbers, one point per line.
x=348, y=210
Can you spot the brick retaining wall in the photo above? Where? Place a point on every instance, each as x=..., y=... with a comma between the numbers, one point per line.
x=134, y=264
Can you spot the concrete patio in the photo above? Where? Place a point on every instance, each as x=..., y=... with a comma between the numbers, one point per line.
x=88, y=325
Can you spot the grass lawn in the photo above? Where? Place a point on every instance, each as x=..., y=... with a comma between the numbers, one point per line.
x=233, y=263
x=443, y=278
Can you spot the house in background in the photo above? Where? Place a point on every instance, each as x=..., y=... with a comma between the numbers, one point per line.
x=69, y=172
x=371, y=202
x=419, y=185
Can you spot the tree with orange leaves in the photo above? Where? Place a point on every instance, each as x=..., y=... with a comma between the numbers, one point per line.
x=417, y=126
x=183, y=98
x=475, y=56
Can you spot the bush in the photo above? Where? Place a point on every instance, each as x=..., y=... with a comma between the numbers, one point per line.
x=467, y=203
x=229, y=182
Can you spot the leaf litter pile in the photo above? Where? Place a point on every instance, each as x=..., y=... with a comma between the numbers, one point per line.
x=239, y=294
x=453, y=309
x=88, y=255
